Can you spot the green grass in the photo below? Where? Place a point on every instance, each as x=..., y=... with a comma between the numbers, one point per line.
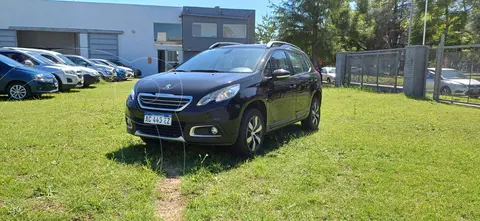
x=376, y=156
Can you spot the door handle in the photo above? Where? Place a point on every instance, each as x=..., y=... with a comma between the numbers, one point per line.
x=293, y=86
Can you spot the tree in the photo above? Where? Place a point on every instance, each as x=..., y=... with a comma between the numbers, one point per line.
x=267, y=30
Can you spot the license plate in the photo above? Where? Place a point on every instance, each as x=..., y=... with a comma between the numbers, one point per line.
x=158, y=119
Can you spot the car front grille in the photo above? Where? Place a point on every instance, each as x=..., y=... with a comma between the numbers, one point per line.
x=163, y=102
x=159, y=130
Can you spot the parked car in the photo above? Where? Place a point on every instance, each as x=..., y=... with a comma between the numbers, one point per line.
x=21, y=82
x=128, y=71
x=108, y=73
x=228, y=95
x=329, y=74
x=66, y=77
x=453, y=82
x=122, y=73
x=137, y=72
x=90, y=76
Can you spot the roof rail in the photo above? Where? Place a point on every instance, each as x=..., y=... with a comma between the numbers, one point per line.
x=221, y=44
x=280, y=43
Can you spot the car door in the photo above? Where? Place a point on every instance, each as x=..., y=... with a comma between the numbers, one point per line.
x=281, y=92
x=302, y=77
x=4, y=70
x=430, y=81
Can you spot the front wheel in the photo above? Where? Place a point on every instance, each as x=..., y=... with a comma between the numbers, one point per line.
x=313, y=120
x=329, y=81
x=445, y=91
x=19, y=91
x=251, y=133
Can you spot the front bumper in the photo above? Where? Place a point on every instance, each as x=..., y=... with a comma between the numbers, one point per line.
x=89, y=79
x=40, y=87
x=225, y=118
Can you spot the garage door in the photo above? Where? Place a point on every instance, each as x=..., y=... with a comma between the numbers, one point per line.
x=8, y=38
x=104, y=46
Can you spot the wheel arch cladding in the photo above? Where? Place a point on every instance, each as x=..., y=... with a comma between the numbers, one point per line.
x=260, y=106
x=16, y=81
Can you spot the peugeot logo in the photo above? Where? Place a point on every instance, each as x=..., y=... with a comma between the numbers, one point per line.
x=167, y=87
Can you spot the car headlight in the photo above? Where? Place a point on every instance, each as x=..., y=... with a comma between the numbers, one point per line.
x=132, y=93
x=40, y=77
x=220, y=95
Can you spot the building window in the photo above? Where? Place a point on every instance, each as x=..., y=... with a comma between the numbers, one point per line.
x=204, y=30
x=234, y=31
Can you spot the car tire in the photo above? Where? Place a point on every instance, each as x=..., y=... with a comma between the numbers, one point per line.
x=312, y=122
x=18, y=91
x=251, y=133
x=445, y=91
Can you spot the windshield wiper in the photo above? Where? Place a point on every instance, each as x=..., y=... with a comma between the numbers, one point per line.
x=178, y=70
x=208, y=71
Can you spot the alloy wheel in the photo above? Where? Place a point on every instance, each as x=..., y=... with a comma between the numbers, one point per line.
x=18, y=92
x=315, y=113
x=254, y=133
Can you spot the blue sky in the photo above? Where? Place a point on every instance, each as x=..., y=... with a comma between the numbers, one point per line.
x=260, y=6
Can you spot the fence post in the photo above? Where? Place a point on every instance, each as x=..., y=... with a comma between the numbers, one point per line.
x=363, y=70
x=438, y=69
x=340, y=68
x=378, y=70
x=397, y=64
x=415, y=71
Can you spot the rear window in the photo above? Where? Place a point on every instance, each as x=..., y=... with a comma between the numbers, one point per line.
x=9, y=62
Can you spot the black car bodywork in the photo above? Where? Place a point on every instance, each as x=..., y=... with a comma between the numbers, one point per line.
x=282, y=96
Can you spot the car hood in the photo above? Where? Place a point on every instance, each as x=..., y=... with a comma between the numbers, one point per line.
x=34, y=71
x=462, y=81
x=189, y=83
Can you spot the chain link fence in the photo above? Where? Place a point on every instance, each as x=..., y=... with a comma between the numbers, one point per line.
x=381, y=70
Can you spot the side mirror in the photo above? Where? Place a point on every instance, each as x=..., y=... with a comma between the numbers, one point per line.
x=28, y=63
x=280, y=74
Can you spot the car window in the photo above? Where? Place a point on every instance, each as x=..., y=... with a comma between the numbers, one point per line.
x=277, y=61
x=9, y=62
x=78, y=61
x=332, y=71
x=49, y=57
x=298, y=62
x=430, y=75
x=18, y=57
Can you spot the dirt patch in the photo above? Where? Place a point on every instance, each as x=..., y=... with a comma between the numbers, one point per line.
x=170, y=205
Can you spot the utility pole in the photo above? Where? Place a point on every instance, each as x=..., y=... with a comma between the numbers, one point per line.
x=425, y=22
x=410, y=23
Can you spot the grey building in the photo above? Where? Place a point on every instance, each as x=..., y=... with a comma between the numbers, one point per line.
x=202, y=27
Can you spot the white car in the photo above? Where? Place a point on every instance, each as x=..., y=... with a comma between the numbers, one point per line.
x=67, y=77
x=453, y=82
x=328, y=74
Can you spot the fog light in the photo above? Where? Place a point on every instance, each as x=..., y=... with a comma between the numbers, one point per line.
x=129, y=123
x=214, y=131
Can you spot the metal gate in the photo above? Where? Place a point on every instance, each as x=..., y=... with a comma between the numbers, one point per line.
x=381, y=70
x=456, y=75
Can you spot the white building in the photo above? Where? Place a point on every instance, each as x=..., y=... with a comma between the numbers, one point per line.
x=133, y=34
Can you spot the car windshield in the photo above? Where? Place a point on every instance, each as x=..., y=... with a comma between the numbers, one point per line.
x=9, y=62
x=40, y=58
x=234, y=60
x=449, y=74
x=109, y=63
x=66, y=60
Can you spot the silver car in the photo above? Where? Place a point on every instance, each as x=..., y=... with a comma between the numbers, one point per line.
x=128, y=71
x=67, y=77
x=453, y=82
x=328, y=74
x=108, y=73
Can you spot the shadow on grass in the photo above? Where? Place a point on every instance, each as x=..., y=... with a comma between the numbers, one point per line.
x=43, y=97
x=178, y=159
x=89, y=87
x=71, y=91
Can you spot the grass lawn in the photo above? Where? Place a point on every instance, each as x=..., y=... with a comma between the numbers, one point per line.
x=376, y=156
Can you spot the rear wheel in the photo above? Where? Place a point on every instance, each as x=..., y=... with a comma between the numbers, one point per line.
x=329, y=81
x=313, y=120
x=251, y=133
x=19, y=91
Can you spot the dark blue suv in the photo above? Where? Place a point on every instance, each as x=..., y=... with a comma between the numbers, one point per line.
x=228, y=95
x=21, y=82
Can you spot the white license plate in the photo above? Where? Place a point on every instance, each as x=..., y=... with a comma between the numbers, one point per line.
x=158, y=119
